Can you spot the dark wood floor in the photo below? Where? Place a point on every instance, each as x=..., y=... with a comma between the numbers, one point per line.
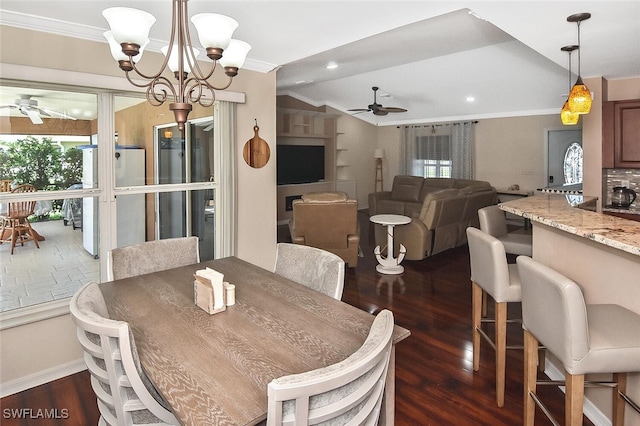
x=435, y=381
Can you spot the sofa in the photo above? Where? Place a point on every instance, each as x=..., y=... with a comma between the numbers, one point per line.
x=327, y=220
x=440, y=209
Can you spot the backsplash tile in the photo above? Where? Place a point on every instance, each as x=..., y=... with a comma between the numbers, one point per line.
x=614, y=177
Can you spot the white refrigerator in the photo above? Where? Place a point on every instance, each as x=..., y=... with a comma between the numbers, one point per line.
x=130, y=209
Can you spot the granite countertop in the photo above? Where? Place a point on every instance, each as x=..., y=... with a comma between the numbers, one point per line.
x=573, y=214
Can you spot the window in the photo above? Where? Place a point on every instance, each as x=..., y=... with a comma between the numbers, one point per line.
x=432, y=156
x=572, y=164
x=76, y=240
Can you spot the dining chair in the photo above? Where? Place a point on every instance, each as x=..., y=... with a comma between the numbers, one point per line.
x=349, y=392
x=152, y=256
x=493, y=222
x=125, y=394
x=585, y=338
x=15, y=223
x=312, y=267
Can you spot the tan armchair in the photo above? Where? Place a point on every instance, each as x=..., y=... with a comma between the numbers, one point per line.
x=327, y=220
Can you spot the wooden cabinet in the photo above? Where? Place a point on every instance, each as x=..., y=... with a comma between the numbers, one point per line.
x=621, y=134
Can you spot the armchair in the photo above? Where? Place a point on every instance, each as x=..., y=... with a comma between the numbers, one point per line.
x=327, y=220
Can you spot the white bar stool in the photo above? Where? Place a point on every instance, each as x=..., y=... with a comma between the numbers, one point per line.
x=595, y=338
x=493, y=222
x=491, y=273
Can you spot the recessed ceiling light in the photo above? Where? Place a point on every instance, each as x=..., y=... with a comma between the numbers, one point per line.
x=471, y=99
x=332, y=65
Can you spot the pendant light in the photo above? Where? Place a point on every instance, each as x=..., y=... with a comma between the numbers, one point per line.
x=580, y=96
x=569, y=118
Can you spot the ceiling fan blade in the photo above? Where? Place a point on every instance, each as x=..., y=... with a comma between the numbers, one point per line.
x=359, y=110
x=51, y=112
x=33, y=115
x=392, y=109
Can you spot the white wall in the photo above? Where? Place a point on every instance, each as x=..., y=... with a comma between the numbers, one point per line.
x=32, y=353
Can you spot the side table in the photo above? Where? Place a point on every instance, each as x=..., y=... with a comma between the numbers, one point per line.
x=390, y=265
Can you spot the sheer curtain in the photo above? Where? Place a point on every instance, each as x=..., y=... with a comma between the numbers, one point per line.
x=462, y=147
x=224, y=118
x=438, y=143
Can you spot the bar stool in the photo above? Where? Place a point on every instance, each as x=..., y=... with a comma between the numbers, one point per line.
x=595, y=338
x=491, y=273
x=493, y=222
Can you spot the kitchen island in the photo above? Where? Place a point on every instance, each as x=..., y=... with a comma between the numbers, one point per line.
x=600, y=252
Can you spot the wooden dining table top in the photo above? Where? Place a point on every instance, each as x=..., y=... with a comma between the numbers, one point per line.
x=214, y=369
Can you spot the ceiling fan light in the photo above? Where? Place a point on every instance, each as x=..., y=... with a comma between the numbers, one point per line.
x=567, y=117
x=580, y=98
x=129, y=25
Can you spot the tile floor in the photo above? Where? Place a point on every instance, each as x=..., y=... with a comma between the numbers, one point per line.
x=54, y=271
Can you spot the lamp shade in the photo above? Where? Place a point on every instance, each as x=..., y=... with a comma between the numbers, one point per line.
x=580, y=98
x=116, y=49
x=129, y=25
x=378, y=153
x=235, y=54
x=214, y=30
x=173, y=58
x=568, y=118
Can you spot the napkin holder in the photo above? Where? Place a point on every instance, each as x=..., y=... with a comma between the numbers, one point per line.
x=204, y=295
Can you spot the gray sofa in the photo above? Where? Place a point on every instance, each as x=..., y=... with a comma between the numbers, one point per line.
x=440, y=209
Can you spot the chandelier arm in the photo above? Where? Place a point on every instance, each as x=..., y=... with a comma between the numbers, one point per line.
x=197, y=86
x=226, y=86
x=157, y=85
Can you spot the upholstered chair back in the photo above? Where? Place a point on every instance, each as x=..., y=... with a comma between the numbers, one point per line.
x=312, y=267
x=327, y=220
x=152, y=256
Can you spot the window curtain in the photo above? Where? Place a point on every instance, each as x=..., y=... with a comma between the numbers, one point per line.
x=453, y=142
x=462, y=147
x=224, y=118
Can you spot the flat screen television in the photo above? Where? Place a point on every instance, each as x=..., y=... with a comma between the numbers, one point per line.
x=299, y=164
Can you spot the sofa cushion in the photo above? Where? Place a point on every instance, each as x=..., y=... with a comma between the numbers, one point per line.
x=390, y=207
x=432, y=196
x=436, y=184
x=406, y=188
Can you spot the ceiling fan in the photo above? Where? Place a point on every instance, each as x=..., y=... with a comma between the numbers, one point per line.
x=30, y=108
x=376, y=108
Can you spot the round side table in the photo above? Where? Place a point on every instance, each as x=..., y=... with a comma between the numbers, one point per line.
x=390, y=265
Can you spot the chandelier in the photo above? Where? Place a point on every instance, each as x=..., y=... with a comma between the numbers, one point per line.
x=129, y=35
x=569, y=118
x=580, y=96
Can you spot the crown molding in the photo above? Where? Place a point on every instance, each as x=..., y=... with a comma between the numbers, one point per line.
x=86, y=32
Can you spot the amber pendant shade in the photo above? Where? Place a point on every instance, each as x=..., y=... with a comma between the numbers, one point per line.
x=580, y=98
x=568, y=118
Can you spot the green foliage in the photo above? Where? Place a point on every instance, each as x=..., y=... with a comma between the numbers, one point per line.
x=71, y=167
x=40, y=163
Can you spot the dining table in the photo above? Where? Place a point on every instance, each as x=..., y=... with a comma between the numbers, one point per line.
x=215, y=369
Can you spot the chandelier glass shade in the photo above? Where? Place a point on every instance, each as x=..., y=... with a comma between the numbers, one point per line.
x=580, y=96
x=567, y=117
x=129, y=35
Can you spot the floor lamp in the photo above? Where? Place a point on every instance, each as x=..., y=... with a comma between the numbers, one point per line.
x=378, y=154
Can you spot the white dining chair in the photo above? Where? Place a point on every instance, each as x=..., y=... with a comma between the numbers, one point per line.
x=493, y=222
x=312, y=267
x=152, y=256
x=349, y=392
x=125, y=394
